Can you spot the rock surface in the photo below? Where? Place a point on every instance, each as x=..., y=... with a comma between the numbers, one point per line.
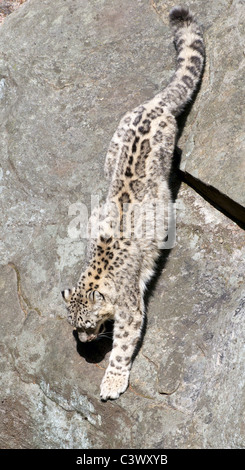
x=8, y=6
x=72, y=71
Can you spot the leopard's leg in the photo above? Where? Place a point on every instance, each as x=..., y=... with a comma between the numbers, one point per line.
x=127, y=332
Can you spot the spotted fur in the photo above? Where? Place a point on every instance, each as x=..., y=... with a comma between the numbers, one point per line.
x=137, y=166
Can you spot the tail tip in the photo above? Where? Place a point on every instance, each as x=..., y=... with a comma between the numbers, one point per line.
x=180, y=15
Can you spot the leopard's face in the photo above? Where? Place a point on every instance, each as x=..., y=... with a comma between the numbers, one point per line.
x=87, y=312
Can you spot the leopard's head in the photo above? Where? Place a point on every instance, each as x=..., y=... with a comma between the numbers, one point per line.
x=87, y=312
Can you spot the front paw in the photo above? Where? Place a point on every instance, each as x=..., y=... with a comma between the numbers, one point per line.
x=113, y=384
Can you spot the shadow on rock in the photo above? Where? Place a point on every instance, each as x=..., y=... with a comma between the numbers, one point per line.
x=95, y=351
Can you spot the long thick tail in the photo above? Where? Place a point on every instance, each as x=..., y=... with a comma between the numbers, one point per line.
x=190, y=59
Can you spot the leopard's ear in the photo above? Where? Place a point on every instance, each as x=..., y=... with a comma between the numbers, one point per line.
x=98, y=297
x=95, y=296
x=67, y=293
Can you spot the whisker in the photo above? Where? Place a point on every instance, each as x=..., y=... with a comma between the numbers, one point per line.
x=104, y=335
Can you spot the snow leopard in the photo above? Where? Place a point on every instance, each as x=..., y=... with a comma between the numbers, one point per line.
x=137, y=167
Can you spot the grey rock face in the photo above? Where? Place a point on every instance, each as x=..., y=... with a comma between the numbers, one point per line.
x=71, y=71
